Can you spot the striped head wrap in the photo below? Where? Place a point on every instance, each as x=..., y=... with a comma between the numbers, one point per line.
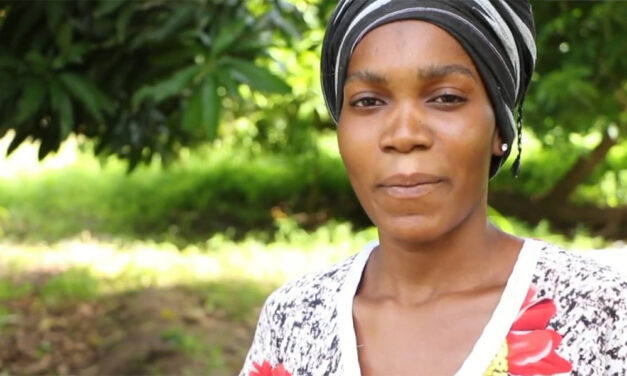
x=497, y=34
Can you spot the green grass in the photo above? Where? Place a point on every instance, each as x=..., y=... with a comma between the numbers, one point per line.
x=212, y=190
x=187, y=343
x=73, y=285
x=9, y=289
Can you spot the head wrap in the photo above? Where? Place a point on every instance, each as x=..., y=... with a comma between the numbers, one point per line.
x=497, y=34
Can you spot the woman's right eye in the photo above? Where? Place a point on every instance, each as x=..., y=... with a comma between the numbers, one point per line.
x=367, y=102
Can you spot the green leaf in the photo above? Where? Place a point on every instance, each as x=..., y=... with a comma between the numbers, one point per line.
x=202, y=109
x=49, y=144
x=20, y=136
x=63, y=36
x=62, y=105
x=210, y=106
x=54, y=14
x=85, y=92
x=168, y=87
x=256, y=77
x=107, y=6
x=179, y=16
x=227, y=36
x=122, y=22
x=224, y=79
x=191, y=112
x=37, y=61
x=31, y=99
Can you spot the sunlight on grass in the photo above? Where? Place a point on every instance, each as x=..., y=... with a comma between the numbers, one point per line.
x=126, y=266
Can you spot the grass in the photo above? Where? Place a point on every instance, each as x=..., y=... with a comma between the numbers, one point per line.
x=73, y=285
x=212, y=190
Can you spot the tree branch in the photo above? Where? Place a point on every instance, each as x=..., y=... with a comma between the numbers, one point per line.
x=580, y=171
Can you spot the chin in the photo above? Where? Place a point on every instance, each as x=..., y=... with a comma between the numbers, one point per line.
x=413, y=229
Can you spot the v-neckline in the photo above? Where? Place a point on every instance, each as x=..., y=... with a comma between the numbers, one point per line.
x=492, y=336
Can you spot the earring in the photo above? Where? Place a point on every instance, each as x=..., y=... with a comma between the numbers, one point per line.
x=504, y=147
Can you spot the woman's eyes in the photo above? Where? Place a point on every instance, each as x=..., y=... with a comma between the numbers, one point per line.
x=445, y=99
x=448, y=99
x=367, y=102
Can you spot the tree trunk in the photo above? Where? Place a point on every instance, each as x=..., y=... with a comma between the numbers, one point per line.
x=584, y=166
x=563, y=216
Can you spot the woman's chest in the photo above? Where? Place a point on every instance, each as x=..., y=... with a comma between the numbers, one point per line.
x=430, y=340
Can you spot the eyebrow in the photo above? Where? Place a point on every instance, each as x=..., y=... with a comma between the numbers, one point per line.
x=367, y=76
x=431, y=72
x=438, y=71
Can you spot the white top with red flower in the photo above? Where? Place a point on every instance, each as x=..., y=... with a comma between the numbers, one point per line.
x=559, y=314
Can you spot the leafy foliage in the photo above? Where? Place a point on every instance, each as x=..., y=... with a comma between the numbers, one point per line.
x=578, y=97
x=580, y=84
x=141, y=77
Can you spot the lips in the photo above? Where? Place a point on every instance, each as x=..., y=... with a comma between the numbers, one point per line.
x=410, y=185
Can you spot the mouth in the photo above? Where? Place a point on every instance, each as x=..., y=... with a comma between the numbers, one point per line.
x=410, y=185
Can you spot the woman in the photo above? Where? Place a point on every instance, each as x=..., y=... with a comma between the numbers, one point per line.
x=424, y=93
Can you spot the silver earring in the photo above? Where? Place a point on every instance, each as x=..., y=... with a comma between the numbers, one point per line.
x=504, y=147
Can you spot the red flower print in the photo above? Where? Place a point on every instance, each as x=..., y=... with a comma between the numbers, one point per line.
x=265, y=369
x=531, y=346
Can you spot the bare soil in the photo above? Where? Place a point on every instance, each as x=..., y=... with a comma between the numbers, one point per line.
x=148, y=332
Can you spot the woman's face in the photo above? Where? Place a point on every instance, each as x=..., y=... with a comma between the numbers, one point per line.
x=416, y=131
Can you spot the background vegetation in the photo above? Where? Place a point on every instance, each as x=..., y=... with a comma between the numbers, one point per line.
x=188, y=166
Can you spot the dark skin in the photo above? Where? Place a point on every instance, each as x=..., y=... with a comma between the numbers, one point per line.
x=416, y=134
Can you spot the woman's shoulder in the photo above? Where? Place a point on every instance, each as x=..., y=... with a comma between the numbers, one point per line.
x=581, y=285
x=591, y=308
x=566, y=267
x=313, y=290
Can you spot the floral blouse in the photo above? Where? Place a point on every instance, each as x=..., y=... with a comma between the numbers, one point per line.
x=560, y=314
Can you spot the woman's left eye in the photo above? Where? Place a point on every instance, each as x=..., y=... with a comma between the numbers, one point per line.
x=367, y=102
x=449, y=99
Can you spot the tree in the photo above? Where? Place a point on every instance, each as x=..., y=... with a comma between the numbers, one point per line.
x=579, y=92
x=140, y=77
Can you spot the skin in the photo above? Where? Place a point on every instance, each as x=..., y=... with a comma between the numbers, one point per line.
x=416, y=134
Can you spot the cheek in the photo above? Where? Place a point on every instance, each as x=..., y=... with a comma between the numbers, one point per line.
x=468, y=142
x=356, y=149
x=349, y=145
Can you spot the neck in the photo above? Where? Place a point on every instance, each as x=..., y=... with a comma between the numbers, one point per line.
x=472, y=257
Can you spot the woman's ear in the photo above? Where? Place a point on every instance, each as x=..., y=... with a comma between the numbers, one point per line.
x=498, y=147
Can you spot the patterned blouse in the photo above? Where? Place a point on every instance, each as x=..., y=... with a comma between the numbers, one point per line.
x=560, y=314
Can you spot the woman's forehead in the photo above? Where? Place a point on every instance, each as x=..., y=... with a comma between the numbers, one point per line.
x=428, y=50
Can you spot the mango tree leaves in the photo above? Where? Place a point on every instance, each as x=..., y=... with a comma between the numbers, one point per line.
x=168, y=87
x=210, y=110
x=30, y=100
x=62, y=105
x=580, y=70
x=256, y=77
x=107, y=68
x=85, y=92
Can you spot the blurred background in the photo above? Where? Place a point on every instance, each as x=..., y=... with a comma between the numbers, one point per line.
x=166, y=164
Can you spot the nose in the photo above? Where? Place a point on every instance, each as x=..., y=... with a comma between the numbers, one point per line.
x=405, y=130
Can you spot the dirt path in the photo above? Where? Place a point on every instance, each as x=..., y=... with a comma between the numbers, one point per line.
x=149, y=332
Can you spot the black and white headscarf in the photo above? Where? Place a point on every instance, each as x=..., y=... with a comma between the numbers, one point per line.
x=497, y=34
